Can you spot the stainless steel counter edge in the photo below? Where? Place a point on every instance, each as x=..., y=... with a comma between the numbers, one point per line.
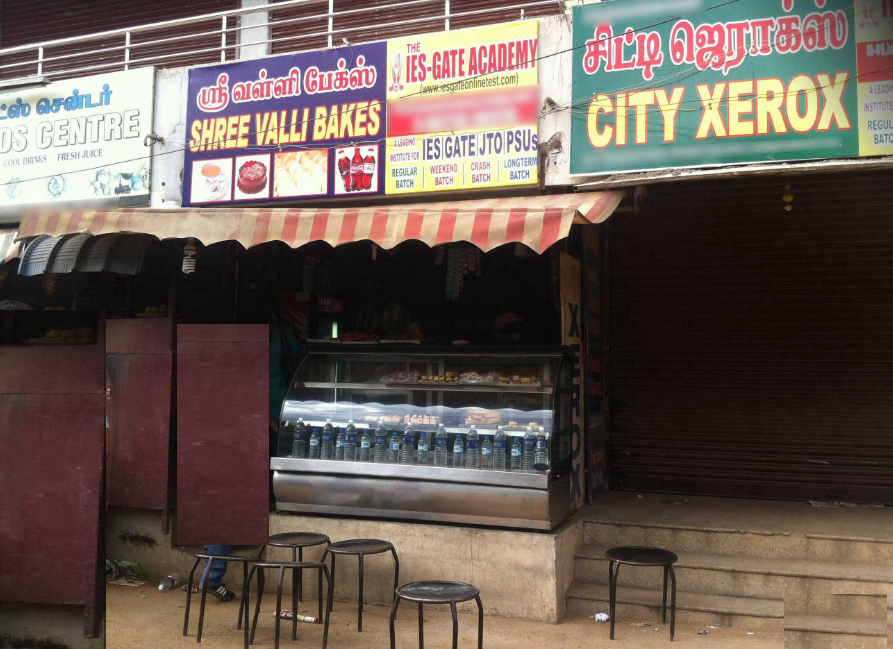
x=495, y=477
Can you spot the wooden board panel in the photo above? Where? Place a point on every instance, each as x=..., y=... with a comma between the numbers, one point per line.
x=51, y=490
x=222, y=434
x=139, y=336
x=57, y=369
x=139, y=412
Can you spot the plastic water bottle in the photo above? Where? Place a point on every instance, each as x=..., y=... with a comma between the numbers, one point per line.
x=542, y=448
x=529, y=450
x=366, y=446
x=516, y=454
x=422, y=451
x=314, y=444
x=339, y=444
x=440, y=447
x=328, y=441
x=350, y=442
x=458, y=451
x=499, y=449
x=472, y=460
x=169, y=582
x=381, y=442
x=299, y=448
x=408, y=454
x=487, y=453
x=394, y=447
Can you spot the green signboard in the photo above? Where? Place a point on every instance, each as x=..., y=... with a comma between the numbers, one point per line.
x=682, y=83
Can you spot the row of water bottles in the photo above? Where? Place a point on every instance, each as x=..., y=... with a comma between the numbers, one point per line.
x=405, y=448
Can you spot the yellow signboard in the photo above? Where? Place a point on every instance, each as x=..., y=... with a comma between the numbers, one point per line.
x=463, y=109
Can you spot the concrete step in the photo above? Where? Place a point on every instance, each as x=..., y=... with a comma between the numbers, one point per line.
x=640, y=605
x=837, y=606
x=740, y=542
x=824, y=632
x=717, y=574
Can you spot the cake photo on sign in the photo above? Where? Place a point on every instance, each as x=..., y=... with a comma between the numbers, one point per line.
x=252, y=177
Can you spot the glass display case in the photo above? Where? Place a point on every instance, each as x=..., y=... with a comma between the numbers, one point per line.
x=459, y=434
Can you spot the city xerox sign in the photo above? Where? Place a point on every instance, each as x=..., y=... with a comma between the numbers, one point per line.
x=696, y=82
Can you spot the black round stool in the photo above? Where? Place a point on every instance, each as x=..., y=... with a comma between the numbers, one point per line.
x=362, y=547
x=642, y=556
x=282, y=566
x=297, y=541
x=243, y=607
x=438, y=592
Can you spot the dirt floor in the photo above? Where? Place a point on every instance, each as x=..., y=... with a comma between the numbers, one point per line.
x=30, y=626
x=140, y=618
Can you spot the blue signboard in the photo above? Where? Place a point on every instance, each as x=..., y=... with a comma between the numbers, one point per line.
x=287, y=128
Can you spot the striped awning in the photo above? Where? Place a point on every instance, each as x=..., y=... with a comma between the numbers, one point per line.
x=536, y=221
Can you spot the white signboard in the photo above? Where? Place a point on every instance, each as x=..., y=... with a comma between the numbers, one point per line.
x=77, y=139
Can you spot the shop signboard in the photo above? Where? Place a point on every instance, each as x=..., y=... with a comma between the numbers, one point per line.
x=699, y=82
x=287, y=128
x=77, y=140
x=463, y=109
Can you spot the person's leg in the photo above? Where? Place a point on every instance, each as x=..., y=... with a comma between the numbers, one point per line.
x=217, y=568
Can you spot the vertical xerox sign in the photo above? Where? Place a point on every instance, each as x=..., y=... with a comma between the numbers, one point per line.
x=572, y=336
x=287, y=128
x=683, y=83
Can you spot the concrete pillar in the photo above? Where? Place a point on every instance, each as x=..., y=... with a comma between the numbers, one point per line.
x=257, y=31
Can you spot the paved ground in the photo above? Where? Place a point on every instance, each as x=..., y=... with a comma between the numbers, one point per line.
x=145, y=618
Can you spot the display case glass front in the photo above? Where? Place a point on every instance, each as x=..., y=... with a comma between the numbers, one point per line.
x=426, y=407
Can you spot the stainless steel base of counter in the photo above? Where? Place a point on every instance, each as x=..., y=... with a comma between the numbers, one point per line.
x=525, y=500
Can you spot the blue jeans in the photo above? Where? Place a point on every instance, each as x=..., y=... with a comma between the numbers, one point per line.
x=218, y=568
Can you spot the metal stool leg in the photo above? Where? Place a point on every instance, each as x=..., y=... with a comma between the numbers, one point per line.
x=260, y=555
x=260, y=596
x=201, y=610
x=480, y=622
x=245, y=598
x=613, y=595
x=455, y=625
x=396, y=568
x=421, y=627
x=319, y=587
x=673, y=605
x=663, y=617
x=325, y=633
x=394, y=617
x=360, y=613
x=300, y=575
x=189, y=596
x=296, y=578
x=278, y=606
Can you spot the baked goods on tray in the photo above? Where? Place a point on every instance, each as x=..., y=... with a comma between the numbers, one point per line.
x=482, y=417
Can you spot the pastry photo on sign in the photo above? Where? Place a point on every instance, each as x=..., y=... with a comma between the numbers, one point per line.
x=356, y=170
x=301, y=173
x=252, y=181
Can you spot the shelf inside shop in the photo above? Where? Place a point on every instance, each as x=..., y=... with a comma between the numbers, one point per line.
x=431, y=428
x=434, y=387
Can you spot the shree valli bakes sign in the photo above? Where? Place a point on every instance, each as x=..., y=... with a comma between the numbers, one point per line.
x=729, y=82
x=436, y=112
x=463, y=109
x=289, y=127
x=77, y=139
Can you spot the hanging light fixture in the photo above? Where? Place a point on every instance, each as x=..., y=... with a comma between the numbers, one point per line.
x=189, y=257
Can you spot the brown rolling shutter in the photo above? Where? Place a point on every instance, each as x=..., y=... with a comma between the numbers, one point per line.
x=373, y=20
x=24, y=23
x=751, y=349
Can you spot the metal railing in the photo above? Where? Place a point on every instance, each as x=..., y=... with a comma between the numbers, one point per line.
x=224, y=24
